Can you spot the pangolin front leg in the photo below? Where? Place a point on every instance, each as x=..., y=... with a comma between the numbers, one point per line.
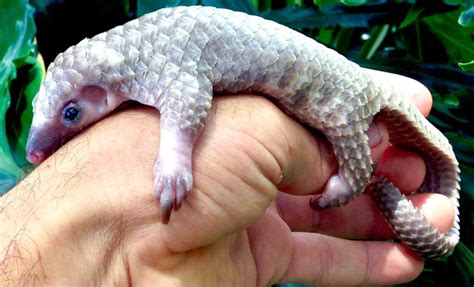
x=182, y=118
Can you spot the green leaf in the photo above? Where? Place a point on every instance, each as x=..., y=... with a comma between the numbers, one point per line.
x=9, y=171
x=467, y=180
x=325, y=36
x=451, y=101
x=255, y=2
x=464, y=147
x=453, y=2
x=294, y=2
x=465, y=259
x=468, y=67
x=263, y=5
x=377, y=35
x=41, y=5
x=342, y=40
x=353, y=2
x=26, y=87
x=412, y=15
x=457, y=42
x=444, y=106
x=16, y=49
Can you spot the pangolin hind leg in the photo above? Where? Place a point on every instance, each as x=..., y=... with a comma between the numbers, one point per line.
x=351, y=147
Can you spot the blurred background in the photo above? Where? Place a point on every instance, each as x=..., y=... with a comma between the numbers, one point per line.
x=430, y=41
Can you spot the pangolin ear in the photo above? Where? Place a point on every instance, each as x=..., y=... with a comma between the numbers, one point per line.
x=94, y=95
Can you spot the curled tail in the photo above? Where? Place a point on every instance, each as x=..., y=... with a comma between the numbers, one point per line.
x=409, y=224
x=408, y=128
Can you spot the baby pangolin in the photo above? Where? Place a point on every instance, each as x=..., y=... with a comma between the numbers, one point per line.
x=173, y=59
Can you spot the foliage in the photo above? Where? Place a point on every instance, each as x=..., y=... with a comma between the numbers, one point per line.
x=431, y=41
x=18, y=55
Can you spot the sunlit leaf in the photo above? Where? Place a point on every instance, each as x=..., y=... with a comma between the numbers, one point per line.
x=466, y=18
x=468, y=67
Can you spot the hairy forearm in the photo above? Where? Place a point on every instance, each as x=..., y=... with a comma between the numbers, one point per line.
x=49, y=230
x=20, y=261
x=46, y=239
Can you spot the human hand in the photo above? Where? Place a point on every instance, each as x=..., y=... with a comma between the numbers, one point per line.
x=87, y=215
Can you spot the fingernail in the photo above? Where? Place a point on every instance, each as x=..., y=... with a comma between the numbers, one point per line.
x=375, y=134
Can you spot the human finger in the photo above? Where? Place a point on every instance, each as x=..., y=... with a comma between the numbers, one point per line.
x=321, y=259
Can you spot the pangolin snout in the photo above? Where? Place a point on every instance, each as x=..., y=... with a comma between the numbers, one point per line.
x=35, y=156
x=41, y=144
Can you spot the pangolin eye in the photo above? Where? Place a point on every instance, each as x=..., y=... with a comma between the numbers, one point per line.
x=71, y=114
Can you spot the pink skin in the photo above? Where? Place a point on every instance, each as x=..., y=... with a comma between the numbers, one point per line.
x=39, y=147
x=42, y=142
x=173, y=169
x=337, y=186
x=35, y=156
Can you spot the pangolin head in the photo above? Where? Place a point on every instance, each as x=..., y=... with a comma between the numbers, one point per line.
x=74, y=94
